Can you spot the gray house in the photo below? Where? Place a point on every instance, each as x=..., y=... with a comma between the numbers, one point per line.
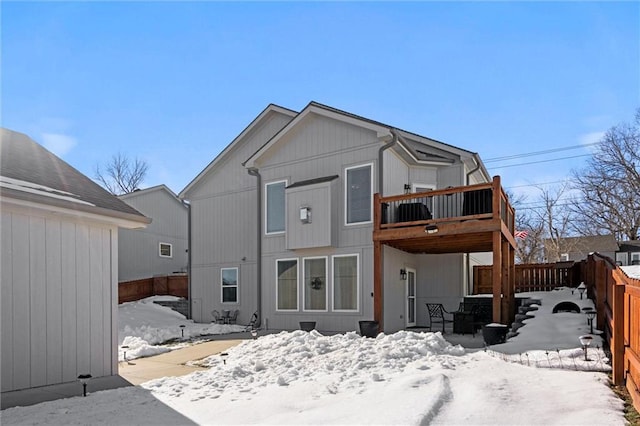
x=628, y=252
x=282, y=222
x=59, y=268
x=162, y=247
x=578, y=248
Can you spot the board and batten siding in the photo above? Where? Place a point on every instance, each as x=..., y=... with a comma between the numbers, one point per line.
x=139, y=248
x=59, y=299
x=223, y=225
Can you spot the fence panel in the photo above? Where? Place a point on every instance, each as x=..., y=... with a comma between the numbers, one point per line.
x=173, y=285
x=528, y=277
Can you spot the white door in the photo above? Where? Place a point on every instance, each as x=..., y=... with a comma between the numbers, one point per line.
x=411, y=298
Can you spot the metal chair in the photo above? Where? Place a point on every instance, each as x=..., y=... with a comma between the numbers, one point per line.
x=253, y=322
x=482, y=314
x=217, y=318
x=437, y=315
x=233, y=316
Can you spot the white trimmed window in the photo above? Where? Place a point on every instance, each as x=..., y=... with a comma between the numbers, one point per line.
x=358, y=194
x=346, y=282
x=564, y=257
x=165, y=250
x=275, y=207
x=229, y=280
x=315, y=283
x=287, y=284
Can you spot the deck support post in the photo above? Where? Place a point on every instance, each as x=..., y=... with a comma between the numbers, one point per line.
x=377, y=285
x=497, y=277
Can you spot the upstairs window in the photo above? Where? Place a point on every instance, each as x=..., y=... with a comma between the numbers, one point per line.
x=358, y=194
x=165, y=250
x=275, y=207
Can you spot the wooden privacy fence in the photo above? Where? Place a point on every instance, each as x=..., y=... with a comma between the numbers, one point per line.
x=174, y=285
x=529, y=277
x=617, y=299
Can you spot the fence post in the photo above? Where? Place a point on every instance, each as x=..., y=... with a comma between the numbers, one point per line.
x=600, y=277
x=617, y=334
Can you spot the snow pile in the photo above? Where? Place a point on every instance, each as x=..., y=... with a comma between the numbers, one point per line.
x=143, y=325
x=632, y=271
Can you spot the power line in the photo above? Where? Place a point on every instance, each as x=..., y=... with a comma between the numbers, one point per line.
x=538, y=162
x=535, y=184
x=531, y=154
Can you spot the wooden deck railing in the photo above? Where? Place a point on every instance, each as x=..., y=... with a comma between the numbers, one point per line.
x=482, y=201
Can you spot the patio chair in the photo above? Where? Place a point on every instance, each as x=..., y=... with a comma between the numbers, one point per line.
x=233, y=316
x=217, y=318
x=437, y=313
x=253, y=322
x=482, y=315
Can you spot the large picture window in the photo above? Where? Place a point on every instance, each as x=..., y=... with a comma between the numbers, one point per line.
x=345, y=283
x=275, y=207
x=358, y=193
x=287, y=284
x=315, y=284
x=229, y=279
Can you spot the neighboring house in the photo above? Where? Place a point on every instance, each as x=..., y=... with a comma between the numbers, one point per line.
x=59, y=268
x=283, y=219
x=628, y=253
x=162, y=247
x=578, y=248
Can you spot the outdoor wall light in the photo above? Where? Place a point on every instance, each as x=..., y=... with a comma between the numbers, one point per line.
x=84, y=378
x=585, y=341
x=305, y=214
x=403, y=274
x=581, y=289
x=224, y=356
x=591, y=314
x=407, y=188
x=430, y=229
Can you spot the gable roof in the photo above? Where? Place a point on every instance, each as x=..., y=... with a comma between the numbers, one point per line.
x=589, y=244
x=419, y=148
x=157, y=188
x=31, y=173
x=271, y=108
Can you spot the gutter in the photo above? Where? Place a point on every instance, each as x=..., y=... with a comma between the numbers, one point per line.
x=254, y=172
x=188, y=206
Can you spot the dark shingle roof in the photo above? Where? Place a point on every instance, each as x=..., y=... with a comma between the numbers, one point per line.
x=28, y=170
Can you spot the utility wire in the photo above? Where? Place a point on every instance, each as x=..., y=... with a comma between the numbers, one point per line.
x=538, y=162
x=531, y=154
x=535, y=184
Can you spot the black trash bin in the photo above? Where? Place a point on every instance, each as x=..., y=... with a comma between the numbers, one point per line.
x=307, y=325
x=494, y=334
x=369, y=328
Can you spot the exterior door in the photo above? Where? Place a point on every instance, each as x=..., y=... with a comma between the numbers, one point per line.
x=411, y=298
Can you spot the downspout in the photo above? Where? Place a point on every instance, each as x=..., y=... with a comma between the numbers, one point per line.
x=188, y=206
x=468, y=178
x=254, y=172
x=394, y=140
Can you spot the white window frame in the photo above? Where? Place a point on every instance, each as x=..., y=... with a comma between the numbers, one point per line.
x=326, y=284
x=564, y=257
x=266, y=205
x=237, y=286
x=170, y=250
x=346, y=194
x=635, y=256
x=297, y=284
x=333, y=307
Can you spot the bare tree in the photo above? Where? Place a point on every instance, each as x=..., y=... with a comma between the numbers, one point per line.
x=121, y=175
x=610, y=185
x=530, y=248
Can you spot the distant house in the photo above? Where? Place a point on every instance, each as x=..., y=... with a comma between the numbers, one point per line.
x=285, y=222
x=162, y=247
x=59, y=269
x=628, y=253
x=578, y=248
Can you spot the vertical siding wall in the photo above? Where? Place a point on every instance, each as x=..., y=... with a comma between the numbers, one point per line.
x=57, y=300
x=139, y=248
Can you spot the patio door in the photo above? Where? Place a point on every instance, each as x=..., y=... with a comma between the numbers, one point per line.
x=411, y=298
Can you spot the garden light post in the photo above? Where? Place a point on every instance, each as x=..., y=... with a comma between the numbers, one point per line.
x=224, y=356
x=254, y=333
x=182, y=330
x=84, y=378
x=581, y=289
x=585, y=341
x=591, y=314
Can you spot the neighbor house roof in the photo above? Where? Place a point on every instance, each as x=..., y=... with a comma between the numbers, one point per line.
x=30, y=173
x=589, y=244
x=157, y=188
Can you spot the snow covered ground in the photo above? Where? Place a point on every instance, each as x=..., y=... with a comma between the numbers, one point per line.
x=402, y=378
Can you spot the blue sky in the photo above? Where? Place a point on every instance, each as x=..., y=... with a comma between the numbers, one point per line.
x=173, y=83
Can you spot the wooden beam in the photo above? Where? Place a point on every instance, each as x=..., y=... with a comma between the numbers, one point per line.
x=378, y=301
x=497, y=277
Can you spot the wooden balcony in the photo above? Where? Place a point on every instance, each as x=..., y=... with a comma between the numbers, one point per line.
x=467, y=219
